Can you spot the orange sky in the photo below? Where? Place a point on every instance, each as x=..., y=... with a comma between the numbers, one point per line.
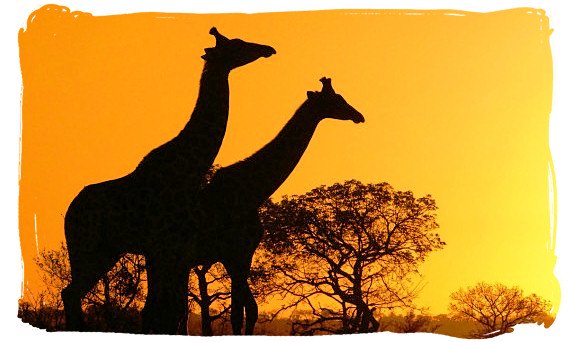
x=455, y=105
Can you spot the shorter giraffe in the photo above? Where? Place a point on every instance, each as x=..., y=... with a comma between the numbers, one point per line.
x=230, y=228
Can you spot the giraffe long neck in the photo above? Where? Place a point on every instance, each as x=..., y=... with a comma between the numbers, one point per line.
x=202, y=136
x=185, y=159
x=256, y=178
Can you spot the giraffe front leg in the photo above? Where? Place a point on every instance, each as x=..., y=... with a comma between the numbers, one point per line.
x=242, y=302
x=237, y=305
x=166, y=304
x=251, y=309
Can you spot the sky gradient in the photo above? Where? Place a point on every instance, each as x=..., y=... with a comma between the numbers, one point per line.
x=456, y=105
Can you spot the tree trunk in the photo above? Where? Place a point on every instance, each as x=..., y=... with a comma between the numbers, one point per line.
x=107, y=305
x=205, y=303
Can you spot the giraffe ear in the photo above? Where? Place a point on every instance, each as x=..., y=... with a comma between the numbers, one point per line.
x=311, y=94
x=210, y=54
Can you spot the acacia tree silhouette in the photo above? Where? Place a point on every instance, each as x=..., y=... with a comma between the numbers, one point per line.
x=117, y=296
x=356, y=245
x=201, y=281
x=229, y=204
x=147, y=211
x=497, y=308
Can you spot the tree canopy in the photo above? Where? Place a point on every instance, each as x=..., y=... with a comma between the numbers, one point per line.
x=121, y=289
x=497, y=308
x=348, y=250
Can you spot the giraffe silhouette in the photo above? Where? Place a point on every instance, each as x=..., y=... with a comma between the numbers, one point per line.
x=230, y=227
x=146, y=211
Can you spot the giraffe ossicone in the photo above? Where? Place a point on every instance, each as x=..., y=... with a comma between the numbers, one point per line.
x=326, y=85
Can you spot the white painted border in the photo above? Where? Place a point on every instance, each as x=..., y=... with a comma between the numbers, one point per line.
x=14, y=16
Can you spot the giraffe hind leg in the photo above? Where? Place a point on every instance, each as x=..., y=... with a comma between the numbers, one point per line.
x=237, y=311
x=240, y=295
x=86, y=270
x=251, y=311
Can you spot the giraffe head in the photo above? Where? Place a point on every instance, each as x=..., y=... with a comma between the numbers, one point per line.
x=233, y=53
x=329, y=104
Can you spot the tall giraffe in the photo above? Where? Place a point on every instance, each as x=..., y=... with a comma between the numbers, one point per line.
x=230, y=225
x=145, y=212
